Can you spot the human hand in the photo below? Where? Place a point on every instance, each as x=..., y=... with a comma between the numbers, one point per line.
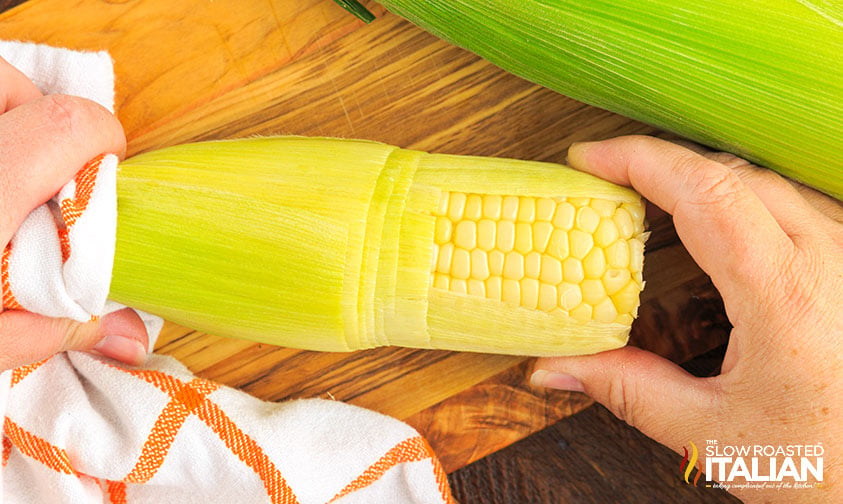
x=774, y=250
x=44, y=141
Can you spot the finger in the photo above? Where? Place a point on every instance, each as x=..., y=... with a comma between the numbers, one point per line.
x=648, y=392
x=15, y=87
x=723, y=224
x=43, y=143
x=28, y=338
x=794, y=213
x=826, y=205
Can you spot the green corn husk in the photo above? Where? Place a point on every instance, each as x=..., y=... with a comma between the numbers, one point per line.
x=762, y=79
x=331, y=244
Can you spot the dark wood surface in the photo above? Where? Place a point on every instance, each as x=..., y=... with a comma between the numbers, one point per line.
x=590, y=457
x=8, y=4
x=394, y=83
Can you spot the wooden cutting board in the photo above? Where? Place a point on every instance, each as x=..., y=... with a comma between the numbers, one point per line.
x=199, y=69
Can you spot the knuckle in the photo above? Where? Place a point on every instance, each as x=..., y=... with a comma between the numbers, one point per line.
x=62, y=112
x=715, y=184
x=727, y=159
x=73, y=334
x=622, y=399
x=761, y=177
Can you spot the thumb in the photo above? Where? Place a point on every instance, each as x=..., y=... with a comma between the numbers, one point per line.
x=650, y=393
x=26, y=337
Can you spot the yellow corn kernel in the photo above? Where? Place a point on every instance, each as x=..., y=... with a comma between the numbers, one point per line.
x=551, y=270
x=527, y=209
x=545, y=207
x=446, y=255
x=587, y=219
x=542, y=232
x=623, y=221
x=583, y=312
x=592, y=291
x=456, y=206
x=461, y=267
x=486, y=234
x=572, y=270
x=523, y=237
x=570, y=296
x=605, y=311
x=529, y=293
x=509, y=208
x=442, y=233
x=492, y=205
x=506, y=235
x=606, y=232
x=479, y=265
x=511, y=292
x=513, y=266
x=473, y=207
x=548, y=297
x=496, y=261
x=615, y=279
x=465, y=236
x=459, y=286
x=564, y=216
x=493, y=287
x=617, y=254
x=580, y=243
x=478, y=288
x=558, y=246
x=594, y=264
x=533, y=264
x=604, y=208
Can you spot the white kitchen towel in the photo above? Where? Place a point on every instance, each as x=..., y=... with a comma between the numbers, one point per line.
x=78, y=428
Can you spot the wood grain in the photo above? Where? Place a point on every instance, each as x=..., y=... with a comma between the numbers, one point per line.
x=173, y=57
x=196, y=70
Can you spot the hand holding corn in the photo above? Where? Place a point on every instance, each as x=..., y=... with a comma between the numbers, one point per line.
x=40, y=151
x=775, y=253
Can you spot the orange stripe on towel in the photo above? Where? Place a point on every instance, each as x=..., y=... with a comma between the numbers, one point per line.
x=248, y=451
x=116, y=492
x=7, y=450
x=72, y=209
x=166, y=427
x=410, y=450
x=22, y=372
x=9, y=301
x=192, y=398
x=37, y=448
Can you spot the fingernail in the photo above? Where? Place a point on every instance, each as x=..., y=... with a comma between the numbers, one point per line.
x=122, y=349
x=558, y=381
x=574, y=147
x=580, y=145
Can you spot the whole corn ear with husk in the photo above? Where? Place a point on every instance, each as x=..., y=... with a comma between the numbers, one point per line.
x=762, y=78
x=339, y=245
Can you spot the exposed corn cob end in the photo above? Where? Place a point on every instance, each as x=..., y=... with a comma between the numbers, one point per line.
x=339, y=245
x=575, y=260
x=531, y=258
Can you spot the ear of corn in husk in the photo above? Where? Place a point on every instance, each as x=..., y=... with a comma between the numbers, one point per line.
x=762, y=79
x=331, y=244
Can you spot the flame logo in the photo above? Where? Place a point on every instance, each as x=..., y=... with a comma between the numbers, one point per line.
x=687, y=465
